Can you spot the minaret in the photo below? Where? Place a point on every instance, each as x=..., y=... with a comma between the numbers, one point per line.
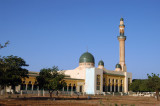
x=122, y=39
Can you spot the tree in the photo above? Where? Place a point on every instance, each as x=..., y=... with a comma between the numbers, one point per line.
x=139, y=85
x=143, y=86
x=135, y=85
x=50, y=79
x=12, y=71
x=153, y=82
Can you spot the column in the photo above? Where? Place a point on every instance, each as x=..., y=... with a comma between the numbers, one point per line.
x=67, y=88
x=32, y=87
x=125, y=83
x=118, y=87
x=43, y=92
x=77, y=89
x=63, y=89
x=21, y=92
x=38, y=90
x=71, y=90
x=114, y=85
x=26, y=86
x=122, y=88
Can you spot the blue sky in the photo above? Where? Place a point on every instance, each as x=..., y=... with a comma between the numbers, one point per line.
x=56, y=32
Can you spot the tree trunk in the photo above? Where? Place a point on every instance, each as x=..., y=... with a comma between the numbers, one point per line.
x=0, y=90
x=50, y=92
x=57, y=93
x=14, y=89
x=51, y=95
x=157, y=94
x=5, y=90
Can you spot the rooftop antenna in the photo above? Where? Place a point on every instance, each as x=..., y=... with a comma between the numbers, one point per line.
x=87, y=48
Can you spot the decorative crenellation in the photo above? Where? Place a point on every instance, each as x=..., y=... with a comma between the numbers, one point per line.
x=86, y=65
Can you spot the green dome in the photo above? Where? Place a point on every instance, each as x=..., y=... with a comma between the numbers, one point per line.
x=86, y=58
x=118, y=66
x=121, y=19
x=101, y=63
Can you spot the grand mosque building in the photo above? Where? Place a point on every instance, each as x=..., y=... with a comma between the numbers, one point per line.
x=87, y=78
x=95, y=80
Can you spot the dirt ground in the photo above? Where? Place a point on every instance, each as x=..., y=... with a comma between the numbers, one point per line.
x=99, y=100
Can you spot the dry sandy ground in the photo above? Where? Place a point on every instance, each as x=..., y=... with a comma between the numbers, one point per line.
x=82, y=101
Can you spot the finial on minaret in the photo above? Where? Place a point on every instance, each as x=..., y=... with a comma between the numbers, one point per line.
x=121, y=19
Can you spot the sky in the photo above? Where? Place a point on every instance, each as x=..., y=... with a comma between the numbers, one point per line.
x=48, y=33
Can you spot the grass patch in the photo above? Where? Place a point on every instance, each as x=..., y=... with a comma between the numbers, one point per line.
x=116, y=104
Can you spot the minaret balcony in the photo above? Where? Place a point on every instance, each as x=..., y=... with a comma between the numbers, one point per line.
x=121, y=37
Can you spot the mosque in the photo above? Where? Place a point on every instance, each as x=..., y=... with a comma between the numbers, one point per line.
x=87, y=78
x=91, y=80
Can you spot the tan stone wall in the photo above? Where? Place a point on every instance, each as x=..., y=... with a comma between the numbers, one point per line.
x=87, y=65
x=75, y=82
x=111, y=77
x=31, y=78
x=78, y=73
x=72, y=82
x=100, y=66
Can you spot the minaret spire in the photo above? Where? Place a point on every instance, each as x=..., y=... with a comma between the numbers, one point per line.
x=122, y=39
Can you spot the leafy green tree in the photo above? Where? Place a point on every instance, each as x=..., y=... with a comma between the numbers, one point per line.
x=50, y=79
x=153, y=82
x=135, y=85
x=139, y=85
x=12, y=71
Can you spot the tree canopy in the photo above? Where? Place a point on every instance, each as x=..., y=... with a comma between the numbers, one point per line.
x=12, y=71
x=50, y=79
x=152, y=84
x=139, y=85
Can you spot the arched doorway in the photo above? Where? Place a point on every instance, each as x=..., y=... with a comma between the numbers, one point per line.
x=69, y=87
x=74, y=87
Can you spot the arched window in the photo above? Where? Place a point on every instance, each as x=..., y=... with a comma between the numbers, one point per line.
x=69, y=87
x=121, y=86
x=113, y=85
x=65, y=88
x=116, y=85
x=29, y=87
x=23, y=86
x=98, y=82
x=74, y=87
